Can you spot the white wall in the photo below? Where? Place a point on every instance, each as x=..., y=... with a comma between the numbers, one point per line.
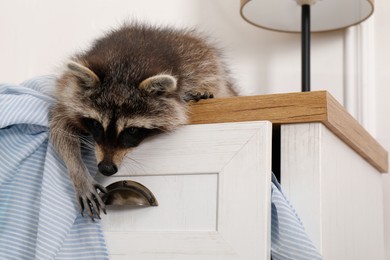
x=38, y=35
x=382, y=91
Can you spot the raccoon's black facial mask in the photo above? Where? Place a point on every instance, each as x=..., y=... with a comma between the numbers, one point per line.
x=94, y=128
x=110, y=145
x=132, y=136
x=127, y=138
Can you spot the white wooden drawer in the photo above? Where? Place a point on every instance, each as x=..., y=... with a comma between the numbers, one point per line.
x=213, y=186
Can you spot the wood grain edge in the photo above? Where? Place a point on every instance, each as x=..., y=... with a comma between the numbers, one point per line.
x=290, y=108
x=277, y=108
x=347, y=128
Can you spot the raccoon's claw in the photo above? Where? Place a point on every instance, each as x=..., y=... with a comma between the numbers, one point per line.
x=196, y=96
x=92, y=202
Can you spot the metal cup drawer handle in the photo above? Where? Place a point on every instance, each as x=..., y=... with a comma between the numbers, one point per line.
x=128, y=193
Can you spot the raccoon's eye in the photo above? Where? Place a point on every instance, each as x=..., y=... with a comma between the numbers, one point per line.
x=132, y=136
x=132, y=130
x=94, y=128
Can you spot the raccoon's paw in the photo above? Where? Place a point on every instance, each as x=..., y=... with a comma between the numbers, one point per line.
x=197, y=95
x=90, y=200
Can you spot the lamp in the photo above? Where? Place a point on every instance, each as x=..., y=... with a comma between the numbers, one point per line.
x=305, y=16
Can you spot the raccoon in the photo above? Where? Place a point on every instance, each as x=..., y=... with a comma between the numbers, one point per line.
x=132, y=83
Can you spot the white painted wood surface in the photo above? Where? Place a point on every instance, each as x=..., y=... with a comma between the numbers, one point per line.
x=337, y=194
x=213, y=185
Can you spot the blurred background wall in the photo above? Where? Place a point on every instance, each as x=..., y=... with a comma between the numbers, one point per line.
x=37, y=36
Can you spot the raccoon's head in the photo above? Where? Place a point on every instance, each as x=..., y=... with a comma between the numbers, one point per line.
x=119, y=115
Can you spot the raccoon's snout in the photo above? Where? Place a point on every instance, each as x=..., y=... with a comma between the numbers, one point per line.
x=107, y=168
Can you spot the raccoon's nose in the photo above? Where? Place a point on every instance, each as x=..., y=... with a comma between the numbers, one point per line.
x=107, y=168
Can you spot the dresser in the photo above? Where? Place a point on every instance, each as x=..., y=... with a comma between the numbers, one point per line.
x=212, y=181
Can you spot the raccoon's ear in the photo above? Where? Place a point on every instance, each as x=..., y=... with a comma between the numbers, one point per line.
x=86, y=76
x=159, y=84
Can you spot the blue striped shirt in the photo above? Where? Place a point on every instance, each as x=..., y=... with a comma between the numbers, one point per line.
x=39, y=217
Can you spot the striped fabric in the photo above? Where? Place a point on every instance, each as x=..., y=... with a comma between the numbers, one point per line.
x=39, y=218
x=288, y=238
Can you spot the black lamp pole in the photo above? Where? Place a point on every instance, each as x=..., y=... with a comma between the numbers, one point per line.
x=305, y=34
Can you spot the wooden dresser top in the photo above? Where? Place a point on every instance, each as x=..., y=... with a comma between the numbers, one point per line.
x=289, y=108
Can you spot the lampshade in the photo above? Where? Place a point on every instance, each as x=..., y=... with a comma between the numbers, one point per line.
x=285, y=15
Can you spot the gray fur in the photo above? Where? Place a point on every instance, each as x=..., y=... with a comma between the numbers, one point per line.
x=133, y=82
